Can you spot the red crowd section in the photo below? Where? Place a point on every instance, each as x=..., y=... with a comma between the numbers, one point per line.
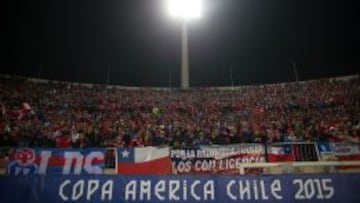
x=71, y=115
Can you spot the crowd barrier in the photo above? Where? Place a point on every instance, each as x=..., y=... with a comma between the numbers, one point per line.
x=184, y=188
x=225, y=159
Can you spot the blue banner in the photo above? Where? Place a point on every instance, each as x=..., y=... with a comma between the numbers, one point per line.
x=29, y=161
x=181, y=188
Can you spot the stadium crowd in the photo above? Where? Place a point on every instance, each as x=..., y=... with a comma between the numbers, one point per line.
x=71, y=115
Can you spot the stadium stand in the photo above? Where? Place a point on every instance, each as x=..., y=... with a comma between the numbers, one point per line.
x=41, y=113
x=85, y=142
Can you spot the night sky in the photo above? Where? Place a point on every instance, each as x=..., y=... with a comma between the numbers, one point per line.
x=79, y=40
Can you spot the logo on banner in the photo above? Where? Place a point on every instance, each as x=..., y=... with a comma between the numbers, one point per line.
x=27, y=161
x=24, y=162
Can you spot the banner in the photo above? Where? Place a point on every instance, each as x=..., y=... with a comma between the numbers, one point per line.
x=144, y=160
x=339, y=151
x=346, y=151
x=184, y=188
x=216, y=159
x=29, y=161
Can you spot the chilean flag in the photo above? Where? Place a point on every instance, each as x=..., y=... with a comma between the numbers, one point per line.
x=144, y=160
x=281, y=153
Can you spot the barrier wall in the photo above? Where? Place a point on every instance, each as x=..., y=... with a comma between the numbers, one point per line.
x=181, y=188
x=226, y=159
x=90, y=85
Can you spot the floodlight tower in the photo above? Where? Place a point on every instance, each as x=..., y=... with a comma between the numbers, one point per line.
x=185, y=10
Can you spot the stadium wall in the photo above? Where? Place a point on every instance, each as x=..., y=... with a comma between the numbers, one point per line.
x=91, y=85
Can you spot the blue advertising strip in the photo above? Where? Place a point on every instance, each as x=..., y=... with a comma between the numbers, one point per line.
x=181, y=188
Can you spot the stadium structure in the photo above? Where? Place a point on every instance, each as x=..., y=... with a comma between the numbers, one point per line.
x=65, y=141
x=299, y=142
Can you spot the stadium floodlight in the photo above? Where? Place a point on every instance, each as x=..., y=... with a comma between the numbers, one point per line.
x=185, y=10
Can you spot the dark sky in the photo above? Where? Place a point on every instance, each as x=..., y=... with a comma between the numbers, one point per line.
x=77, y=40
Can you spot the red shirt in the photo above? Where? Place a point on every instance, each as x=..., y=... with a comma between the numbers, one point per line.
x=62, y=141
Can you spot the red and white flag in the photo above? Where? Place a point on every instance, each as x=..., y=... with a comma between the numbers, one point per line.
x=144, y=160
x=282, y=153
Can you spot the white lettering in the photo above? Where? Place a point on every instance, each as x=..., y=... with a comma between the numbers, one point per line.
x=107, y=190
x=299, y=193
x=45, y=156
x=263, y=191
x=318, y=186
x=69, y=156
x=276, y=187
x=88, y=160
x=193, y=186
x=221, y=165
x=244, y=189
x=255, y=190
x=185, y=190
x=145, y=190
x=328, y=188
x=232, y=163
x=160, y=188
x=228, y=190
x=174, y=186
x=183, y=166
x=130, y=190
x=93, y=185
x=209, y=190
x=61, y=190
x=198, y=166
x=78, y=190
x=309, y=189
x=169, y=190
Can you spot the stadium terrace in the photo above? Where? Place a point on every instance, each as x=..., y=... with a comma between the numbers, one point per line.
x=40, y=113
